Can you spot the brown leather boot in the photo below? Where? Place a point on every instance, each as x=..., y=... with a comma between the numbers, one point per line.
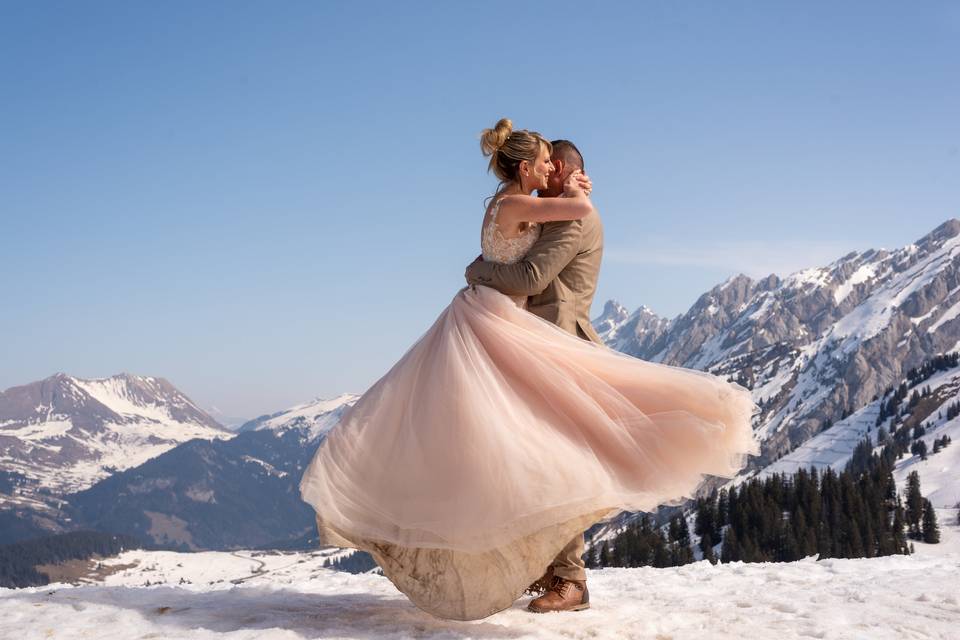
x=564, y=595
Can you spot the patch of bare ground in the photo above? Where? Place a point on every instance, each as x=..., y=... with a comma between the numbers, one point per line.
x=82, y=571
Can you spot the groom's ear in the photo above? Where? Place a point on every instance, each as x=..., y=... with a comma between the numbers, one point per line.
x=558, y=166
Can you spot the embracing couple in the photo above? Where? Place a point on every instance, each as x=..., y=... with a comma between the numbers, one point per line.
x=471, y=469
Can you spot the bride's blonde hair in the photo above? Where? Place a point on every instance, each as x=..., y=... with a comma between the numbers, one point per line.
x=507, y=148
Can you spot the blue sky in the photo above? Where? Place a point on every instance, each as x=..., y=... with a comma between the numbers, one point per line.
x=269, y=202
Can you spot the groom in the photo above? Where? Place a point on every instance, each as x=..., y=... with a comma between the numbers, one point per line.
x=559, y=274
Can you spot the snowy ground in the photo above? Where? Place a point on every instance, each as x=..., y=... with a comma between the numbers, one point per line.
x=291, y=595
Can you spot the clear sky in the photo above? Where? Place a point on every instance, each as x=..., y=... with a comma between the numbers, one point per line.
x=266, y=202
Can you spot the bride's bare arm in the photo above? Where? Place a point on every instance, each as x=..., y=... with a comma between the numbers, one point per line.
x=572, y=205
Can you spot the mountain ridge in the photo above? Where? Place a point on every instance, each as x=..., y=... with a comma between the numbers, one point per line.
x=63, y=433
x=815, y=344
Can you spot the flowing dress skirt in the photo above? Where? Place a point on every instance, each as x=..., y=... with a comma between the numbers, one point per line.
x=497, y=438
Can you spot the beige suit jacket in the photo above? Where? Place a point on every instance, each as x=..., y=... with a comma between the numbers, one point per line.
x=559, y=274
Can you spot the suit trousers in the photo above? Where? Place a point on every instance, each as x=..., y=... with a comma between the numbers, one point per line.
x=569, y=563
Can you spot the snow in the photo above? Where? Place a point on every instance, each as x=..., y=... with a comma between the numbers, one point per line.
x=764, y=308
x=864, y=273
x=266, y=465
x=872, y=315
x=278, y=595
x=831, y=448
x=813, y=276
x=726, y=283
x=614, y=316
x=319, y=414
x=114, y=393
x=920, y=319
x=36, y=433
x=710, y=352
x=947, y=315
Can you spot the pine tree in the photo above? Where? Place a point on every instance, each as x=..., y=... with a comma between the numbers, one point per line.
x=730, y=549
x=914, y=511
x=674, y=530
x=931, y=531
x=919, y=448
x=723, y=508
x=899, y=520
x=706, y=520
x=661, y=553
x=860, y=460
x=710, y=556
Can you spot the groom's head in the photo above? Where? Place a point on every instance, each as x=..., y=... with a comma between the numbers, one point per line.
x=566, y=158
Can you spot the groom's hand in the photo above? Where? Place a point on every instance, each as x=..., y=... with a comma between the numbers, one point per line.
x=468, y=272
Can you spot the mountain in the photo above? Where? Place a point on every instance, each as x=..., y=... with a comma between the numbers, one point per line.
x=818, y=344
x=241, y=492
x=65, y=433
x=315, y=417
x=613, y=317
x=619, y=329
x=934, y=412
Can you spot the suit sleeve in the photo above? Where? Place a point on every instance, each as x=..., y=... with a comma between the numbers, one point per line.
x=557, y=245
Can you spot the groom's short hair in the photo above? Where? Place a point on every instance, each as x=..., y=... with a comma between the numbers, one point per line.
x=568, y=152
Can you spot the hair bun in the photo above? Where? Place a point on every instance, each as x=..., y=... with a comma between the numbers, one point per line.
x=492, y=139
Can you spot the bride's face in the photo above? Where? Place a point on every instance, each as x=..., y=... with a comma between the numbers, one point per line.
x=536, y=175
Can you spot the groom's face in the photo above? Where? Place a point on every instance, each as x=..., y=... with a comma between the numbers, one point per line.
x=556, y=179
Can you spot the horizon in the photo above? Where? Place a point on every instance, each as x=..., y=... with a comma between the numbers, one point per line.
x=266, y=205
x=237, y=421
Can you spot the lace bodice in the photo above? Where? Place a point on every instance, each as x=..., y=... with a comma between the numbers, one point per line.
x=496, y=248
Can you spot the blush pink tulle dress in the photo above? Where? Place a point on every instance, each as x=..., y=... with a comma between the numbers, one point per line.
x=498, y=437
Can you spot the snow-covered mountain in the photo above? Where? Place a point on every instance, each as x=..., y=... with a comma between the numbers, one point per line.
x=613, y=317
x=818, y=344
x=619, y=328
x=65, y=433
x=939, y=473
x=219, y=494
x=314, y=418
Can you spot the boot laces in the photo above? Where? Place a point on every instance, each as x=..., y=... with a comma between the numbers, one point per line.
x=561, y=586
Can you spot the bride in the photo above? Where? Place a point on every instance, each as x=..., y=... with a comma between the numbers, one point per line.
x=447, y=469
